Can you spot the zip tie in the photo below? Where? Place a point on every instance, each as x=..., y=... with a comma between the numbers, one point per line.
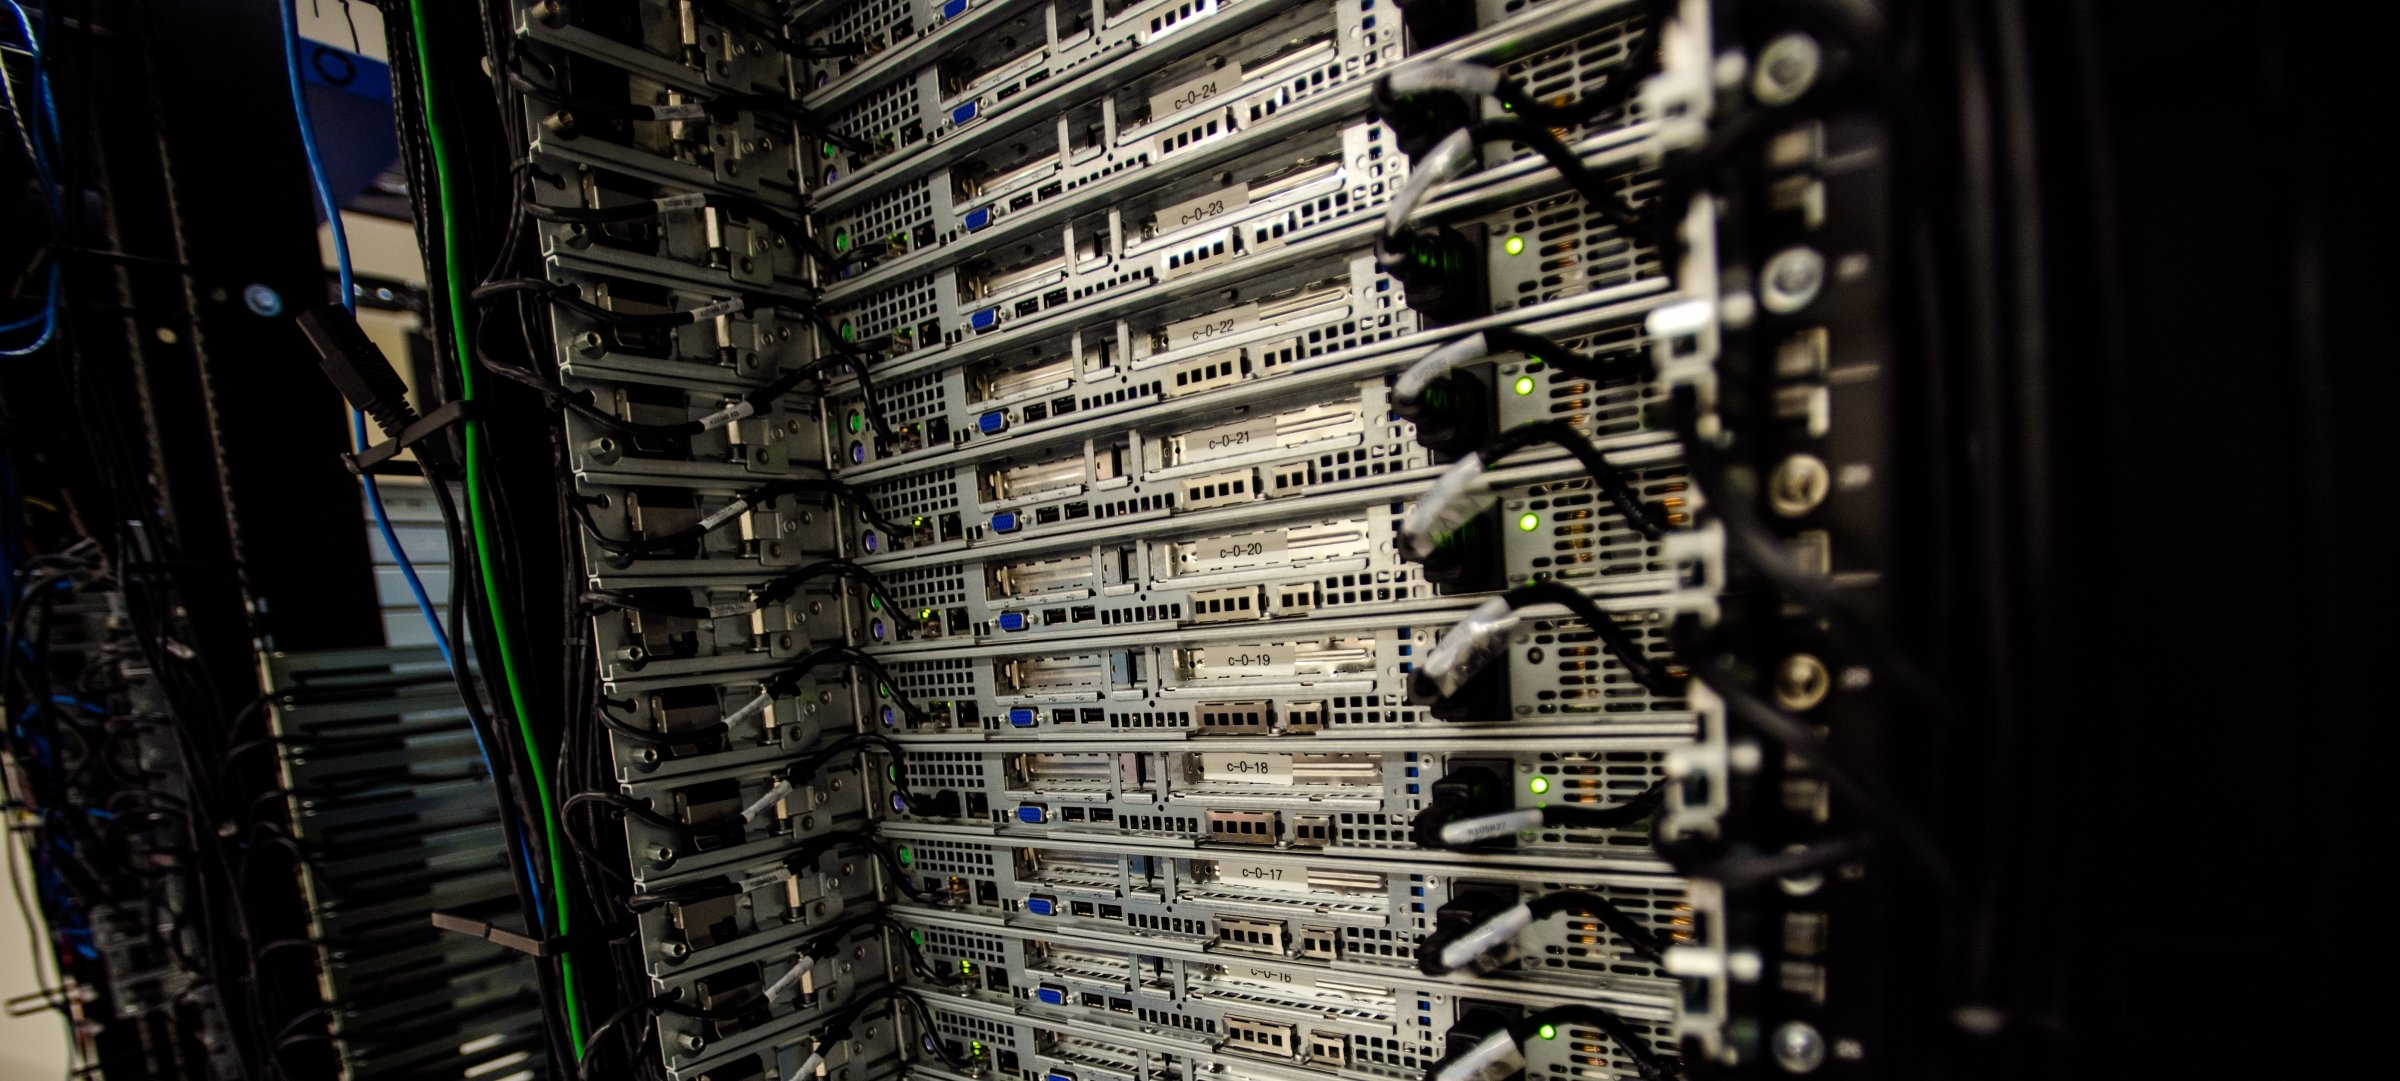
x=730, y=609
x=759, y=805
x=751, y=708
x=718, y=516
x=790, y=977
x=715, y=308
x=727, y=415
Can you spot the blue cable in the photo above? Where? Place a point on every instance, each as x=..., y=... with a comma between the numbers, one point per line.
x=341, y=259
x=47, y=109
x=320, y=178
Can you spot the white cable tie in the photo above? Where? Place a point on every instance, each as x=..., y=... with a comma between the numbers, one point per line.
x=759, y=806
x=719, y=516
x=751, y=708
x=790, y=977
x=727, y=415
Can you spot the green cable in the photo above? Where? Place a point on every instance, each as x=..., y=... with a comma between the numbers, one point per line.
x=478, y=503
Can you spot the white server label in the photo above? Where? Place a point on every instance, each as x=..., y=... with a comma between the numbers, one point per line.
x=1227, y=440
x=1272, y=976
x=1263, y=546
x=1205, y=208
x=690, y=110
x=1210, y=327
x=690, y=200
x=1253, y=660
x=1265, y=876
x=1198, y=91
x=1246, y=768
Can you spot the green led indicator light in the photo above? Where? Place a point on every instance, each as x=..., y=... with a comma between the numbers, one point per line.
x=966, y=966
x=858, y=422
x=1548, y=1032
x=917, y=937
x=1539, y=785
x=1524, y=385
x=849, y=333
x=1515, y=245
x=874, y=602
x=883, y=690
x=1529, y=521
x=841, y=240
x=828, y=149
x=907, y=855
x=926, y=614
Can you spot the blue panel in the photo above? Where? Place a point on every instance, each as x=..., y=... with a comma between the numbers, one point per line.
x=978, y=218
x=1032, y=814
x=1012, y=621
x=1050, y=996
x=962, y=114
x=984, y=320
x=954, y=9
x=1020, y=717
x=1004, y=522
x=1041, y=906
x=992, y=423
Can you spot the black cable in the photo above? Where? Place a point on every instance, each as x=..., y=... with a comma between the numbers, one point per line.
x=1441, y=820
x=1750, y=539
x=1870, y=799
x=1630, y=365
x=1635, y=1047
x=570, y=298
x=1658, y=679
x=741, y=503
x=1626, y=218
x=1643, y=517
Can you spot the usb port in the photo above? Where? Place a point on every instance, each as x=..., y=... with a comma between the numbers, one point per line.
x=1028, y=307
x=1078, y=509
x=1063, y=406
x=1034, y=412
x=1048, y=190
x=1112, y=912
x=1052, y=617
x=1045, y=515
x=1081, y=613
x=1054, y=298
x=1082, y=908
x=1021, y=201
